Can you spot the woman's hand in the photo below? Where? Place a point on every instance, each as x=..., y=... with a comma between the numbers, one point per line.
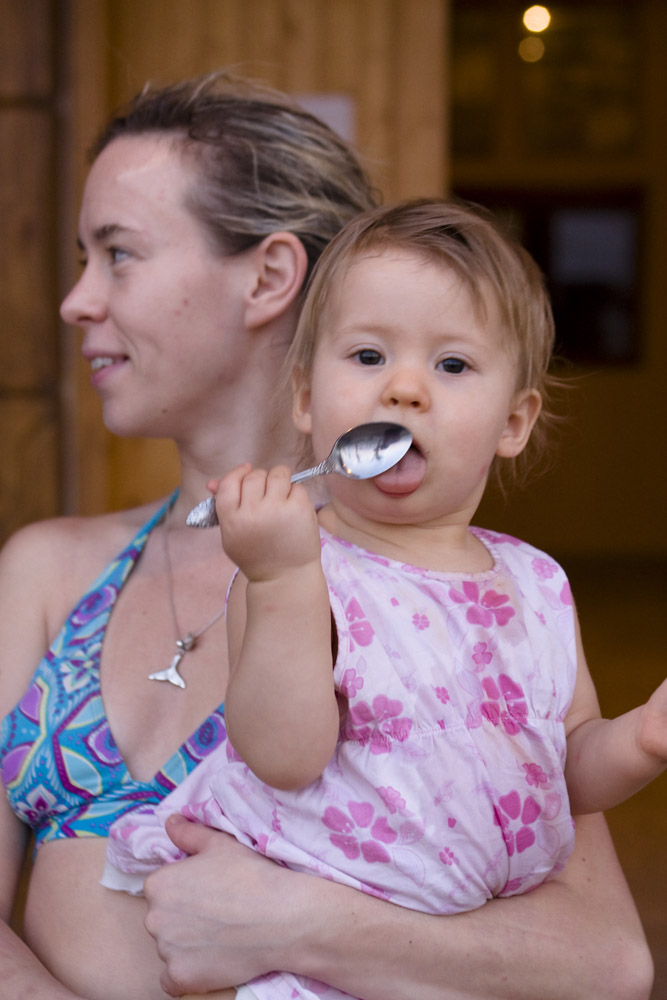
x=226, y=915
x=209, y=913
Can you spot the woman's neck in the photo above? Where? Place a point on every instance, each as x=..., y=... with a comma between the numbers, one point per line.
x=263, y=440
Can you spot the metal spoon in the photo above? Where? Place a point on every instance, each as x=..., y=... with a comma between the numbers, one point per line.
x=360, y=453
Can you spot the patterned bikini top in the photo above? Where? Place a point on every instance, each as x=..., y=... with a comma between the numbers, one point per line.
x=61, y=768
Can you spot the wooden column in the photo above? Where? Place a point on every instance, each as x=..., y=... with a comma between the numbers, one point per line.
x=29, y=368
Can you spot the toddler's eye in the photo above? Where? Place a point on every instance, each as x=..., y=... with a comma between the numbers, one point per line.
x=452, y=366
x=367, y=356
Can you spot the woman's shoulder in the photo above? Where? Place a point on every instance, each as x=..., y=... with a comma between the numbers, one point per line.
x=49, y=564
x=62, y=541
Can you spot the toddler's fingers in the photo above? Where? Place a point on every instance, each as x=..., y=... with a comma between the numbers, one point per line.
x=253, y=486
x=227, y=492
x=278, y=485
x=213, y=485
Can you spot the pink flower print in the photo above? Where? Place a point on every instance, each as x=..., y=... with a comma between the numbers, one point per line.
x=351, y=683
x=378, y=724
x=448, y=857
x=346, y=834
x=566, y=593
x=512, y=887
x=486, y=608
x=442, y=694
x=544, y=568
x=481, y=654
x=393, y=799
x=510, y=808
x=536, y=776
x=420, y=622
x=361, y=630
x=496, y=536
x=373, y=851
x=512, y=694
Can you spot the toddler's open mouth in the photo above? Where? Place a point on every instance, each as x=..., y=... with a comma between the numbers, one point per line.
x=404, y=477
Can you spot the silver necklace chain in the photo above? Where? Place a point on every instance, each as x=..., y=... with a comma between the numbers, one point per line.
x=184, y=643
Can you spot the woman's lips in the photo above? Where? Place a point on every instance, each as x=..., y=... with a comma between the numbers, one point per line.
x=102, y=365
x=404, y=477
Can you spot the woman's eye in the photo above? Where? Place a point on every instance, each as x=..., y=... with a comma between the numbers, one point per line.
x=452, y=366
x=369, y=357
x=117, y=255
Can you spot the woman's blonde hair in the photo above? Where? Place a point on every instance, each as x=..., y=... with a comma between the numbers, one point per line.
x=466, y=239
x=262, y=163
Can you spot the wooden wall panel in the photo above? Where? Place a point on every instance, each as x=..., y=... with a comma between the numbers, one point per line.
x=27, y=272
x=30, y=466
x=29, y=368
x=26, y=47
x=387, y=55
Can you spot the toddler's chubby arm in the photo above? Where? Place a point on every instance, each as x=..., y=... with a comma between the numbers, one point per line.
x=608, y=760
x=281, y=708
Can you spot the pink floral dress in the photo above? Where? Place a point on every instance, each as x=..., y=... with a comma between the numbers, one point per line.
x=446, y=788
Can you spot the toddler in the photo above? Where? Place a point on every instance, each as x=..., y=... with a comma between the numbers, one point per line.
x=404, y=687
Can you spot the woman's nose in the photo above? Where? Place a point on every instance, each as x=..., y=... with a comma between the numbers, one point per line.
x=83, y=302
x=407, y=387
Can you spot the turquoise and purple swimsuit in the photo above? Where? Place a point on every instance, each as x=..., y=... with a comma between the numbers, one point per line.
x=61, y=768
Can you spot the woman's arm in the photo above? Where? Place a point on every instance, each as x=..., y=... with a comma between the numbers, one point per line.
x=23, y=976
x=23, y=631
x=21, y=973
x=227, y=914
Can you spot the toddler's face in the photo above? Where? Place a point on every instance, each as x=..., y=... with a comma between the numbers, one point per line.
x=401, y=340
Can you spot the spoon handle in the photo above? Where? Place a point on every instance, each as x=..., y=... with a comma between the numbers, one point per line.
x=323, y=469
x=204, y=515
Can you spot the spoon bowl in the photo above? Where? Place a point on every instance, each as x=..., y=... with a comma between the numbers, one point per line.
x=360, y=453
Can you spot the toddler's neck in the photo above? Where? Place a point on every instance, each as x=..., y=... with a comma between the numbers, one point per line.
x=447, y=547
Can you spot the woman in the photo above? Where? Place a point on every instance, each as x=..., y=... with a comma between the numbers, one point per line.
x=204, y=210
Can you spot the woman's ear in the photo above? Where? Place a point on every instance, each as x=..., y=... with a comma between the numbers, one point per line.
x=301, y=401
x=524, y=411
x=280, y=264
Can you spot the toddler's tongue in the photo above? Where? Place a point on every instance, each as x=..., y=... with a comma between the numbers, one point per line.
x=404, y=477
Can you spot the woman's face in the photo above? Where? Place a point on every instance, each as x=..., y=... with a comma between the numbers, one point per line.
x=161, y=311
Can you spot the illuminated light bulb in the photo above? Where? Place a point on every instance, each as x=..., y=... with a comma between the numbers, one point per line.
x=536, y=18
x=531, y=49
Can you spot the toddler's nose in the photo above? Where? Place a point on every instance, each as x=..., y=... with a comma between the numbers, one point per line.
x=407, y=387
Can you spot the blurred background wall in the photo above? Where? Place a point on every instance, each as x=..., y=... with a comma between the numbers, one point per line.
x=560, y=129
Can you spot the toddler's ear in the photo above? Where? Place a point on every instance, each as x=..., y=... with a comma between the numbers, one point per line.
x=301, y=401
x=524, y=411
